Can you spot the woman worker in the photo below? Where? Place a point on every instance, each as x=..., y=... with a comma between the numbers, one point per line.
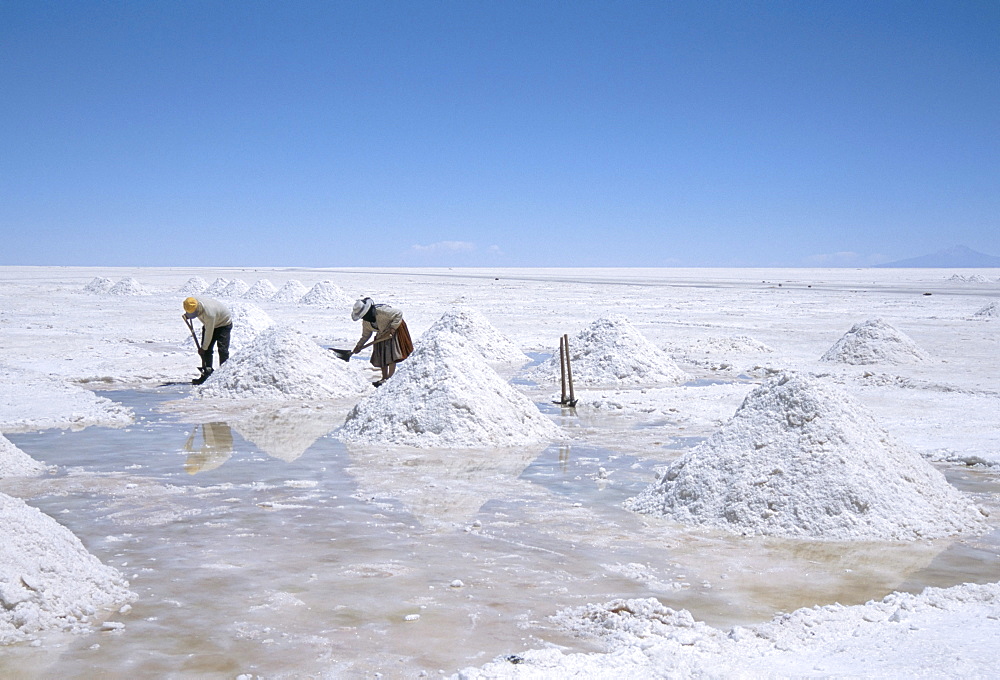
x=392, y=342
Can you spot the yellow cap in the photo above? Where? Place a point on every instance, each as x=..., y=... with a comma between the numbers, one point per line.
x=190, y=304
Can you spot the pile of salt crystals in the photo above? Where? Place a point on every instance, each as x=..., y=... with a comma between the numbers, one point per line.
x=612, y=352
x=235, y=288
x=800, y=458
x=494, y=347
x=16, y=463
x=127, y=286
x=283, y=364
x=99, y=284
x=216, y=287
x=261, y=290
x=874, y=342
x=48, y=580
x=249, y=321
x=326, y=293
x=445, y=395
x=990, y=309
x=194, y=285
x=292, y=291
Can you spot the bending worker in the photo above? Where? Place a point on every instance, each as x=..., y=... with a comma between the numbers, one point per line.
x=217, y=326
x=392, y=342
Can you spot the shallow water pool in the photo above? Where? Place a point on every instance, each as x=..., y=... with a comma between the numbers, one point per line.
x=260, y=545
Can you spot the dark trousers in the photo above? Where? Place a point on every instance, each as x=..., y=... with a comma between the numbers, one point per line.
x=221, y=338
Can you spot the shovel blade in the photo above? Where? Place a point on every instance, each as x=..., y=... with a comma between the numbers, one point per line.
x=344, y=354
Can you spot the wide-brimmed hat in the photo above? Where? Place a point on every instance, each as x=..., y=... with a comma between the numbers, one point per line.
x=361, y=307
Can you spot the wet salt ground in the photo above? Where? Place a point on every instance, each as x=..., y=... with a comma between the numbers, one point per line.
x=355, y=562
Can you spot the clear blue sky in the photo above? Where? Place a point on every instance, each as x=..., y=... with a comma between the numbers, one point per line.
x=497, y=132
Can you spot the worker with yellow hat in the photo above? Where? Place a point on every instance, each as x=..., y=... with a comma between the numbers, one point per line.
x=216, y=329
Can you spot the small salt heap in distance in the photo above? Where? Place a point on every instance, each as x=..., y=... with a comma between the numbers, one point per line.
x=292, y=291
x=991, y=309
x=800, y=458
x=216, y=287
x=612, y=352
x=494, y=347
x=194, y=285
x=446, y=395
x=127, y=286
x=260, y=291
x=235, y=288
x=99, y=284
x=874, y=342
x=283, y=364
x=326, y=293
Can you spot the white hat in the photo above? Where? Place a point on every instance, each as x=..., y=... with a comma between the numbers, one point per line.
x=361, y=307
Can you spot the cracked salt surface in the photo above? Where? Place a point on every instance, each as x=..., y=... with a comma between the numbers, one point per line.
x=244, y=561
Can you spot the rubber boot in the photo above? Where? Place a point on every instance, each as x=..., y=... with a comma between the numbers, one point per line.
x=205, y=372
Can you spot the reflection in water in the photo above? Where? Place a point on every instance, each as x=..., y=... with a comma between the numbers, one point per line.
x=216, y=447
x=288, y=431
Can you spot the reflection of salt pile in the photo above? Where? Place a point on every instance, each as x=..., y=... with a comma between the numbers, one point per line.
x=874, y=342
x=216, y=288
x=194, y=285
x=281, y=363
x=801, y=458
x=16, y=463
x=480, y=333
x=292, y=291
x=444, y=395
x=248, y=322
x=611, y=351
x=262, y=290
x=127, y=286
x=99, y=284
x=48, y=580
x=288, y=431
x=991, y=309
x=235, y=288
x=326, y=293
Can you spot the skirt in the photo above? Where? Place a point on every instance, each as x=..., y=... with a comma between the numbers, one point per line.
x=393, y=350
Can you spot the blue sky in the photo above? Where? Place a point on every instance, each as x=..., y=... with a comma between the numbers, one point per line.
x=497, y=133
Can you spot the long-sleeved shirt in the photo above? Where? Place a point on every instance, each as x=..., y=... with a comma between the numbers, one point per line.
x=213, y=314
x=387, y=320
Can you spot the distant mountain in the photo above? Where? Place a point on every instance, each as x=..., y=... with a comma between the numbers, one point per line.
x=957, y=256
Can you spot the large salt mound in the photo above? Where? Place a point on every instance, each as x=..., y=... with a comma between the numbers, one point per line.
x=292, y=291
x=194, y=285
x=249, y=321
x=874, y=342
x=48, y=580
x=326, y=293
x=99, y=284
x=16, y=463
x=216, y=288
x=612, y=352
x=262, y=290
x=495, y=347
x=283, y=364
x=800, y=458
x=991, y=309
x=235, y=288
x=127, y=286
x=445, y=395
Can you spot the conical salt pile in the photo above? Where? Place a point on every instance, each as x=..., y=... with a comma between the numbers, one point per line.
x=800, y=458
x=249, y=321
x=874, y=342
x=127, y=286
x=495, y=347
x=262, y=290
x=235, y=288
x=445, y=395
x=326, y=293
x=194, y=285
x=283, y=364
x=216, y=287
x=292, y=291
x=99, y=284
x=16, y=463
x=612, y=352
x=991, y=309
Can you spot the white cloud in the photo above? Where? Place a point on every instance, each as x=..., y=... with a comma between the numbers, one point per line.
x=445, y=247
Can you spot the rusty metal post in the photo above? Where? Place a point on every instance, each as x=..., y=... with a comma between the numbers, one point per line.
x=569, y=373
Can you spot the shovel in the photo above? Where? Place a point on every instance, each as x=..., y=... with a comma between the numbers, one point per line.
x=197, y=346
x=345, y=354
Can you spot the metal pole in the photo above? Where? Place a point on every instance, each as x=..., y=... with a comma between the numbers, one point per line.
x=562, y=367
x=569, y=373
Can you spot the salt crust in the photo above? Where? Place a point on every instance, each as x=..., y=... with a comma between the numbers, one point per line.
x=800, y=458
x=16, y=463
x=260, y=291
x=990, y=309
x=48, y=580
x=612, y=352
x=282, y=363
x=31, y=401
x=292, y=291
x=645, y=639
x=326, y=293
x=445, y=395
x=470, y=323
x=874, y=342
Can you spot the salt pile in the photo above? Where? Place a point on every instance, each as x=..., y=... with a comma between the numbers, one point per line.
x=235, y=288
x=283, y=364
x=874, y=342
x=194, y=285
x=249, y=321
x=48, y=580
x=991, y=309
x=99, y=284
x=495, y=347
x=612, y=352
x=16, y=463
x=216, y=288
x=326, y=293
x=971, y=278
x=800, y=458
x=127, y=286
x=262, y=290
x=445, y=395
x=292, y=291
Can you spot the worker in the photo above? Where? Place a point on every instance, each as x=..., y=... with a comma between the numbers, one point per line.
x=217, y=327
x=392, y=342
